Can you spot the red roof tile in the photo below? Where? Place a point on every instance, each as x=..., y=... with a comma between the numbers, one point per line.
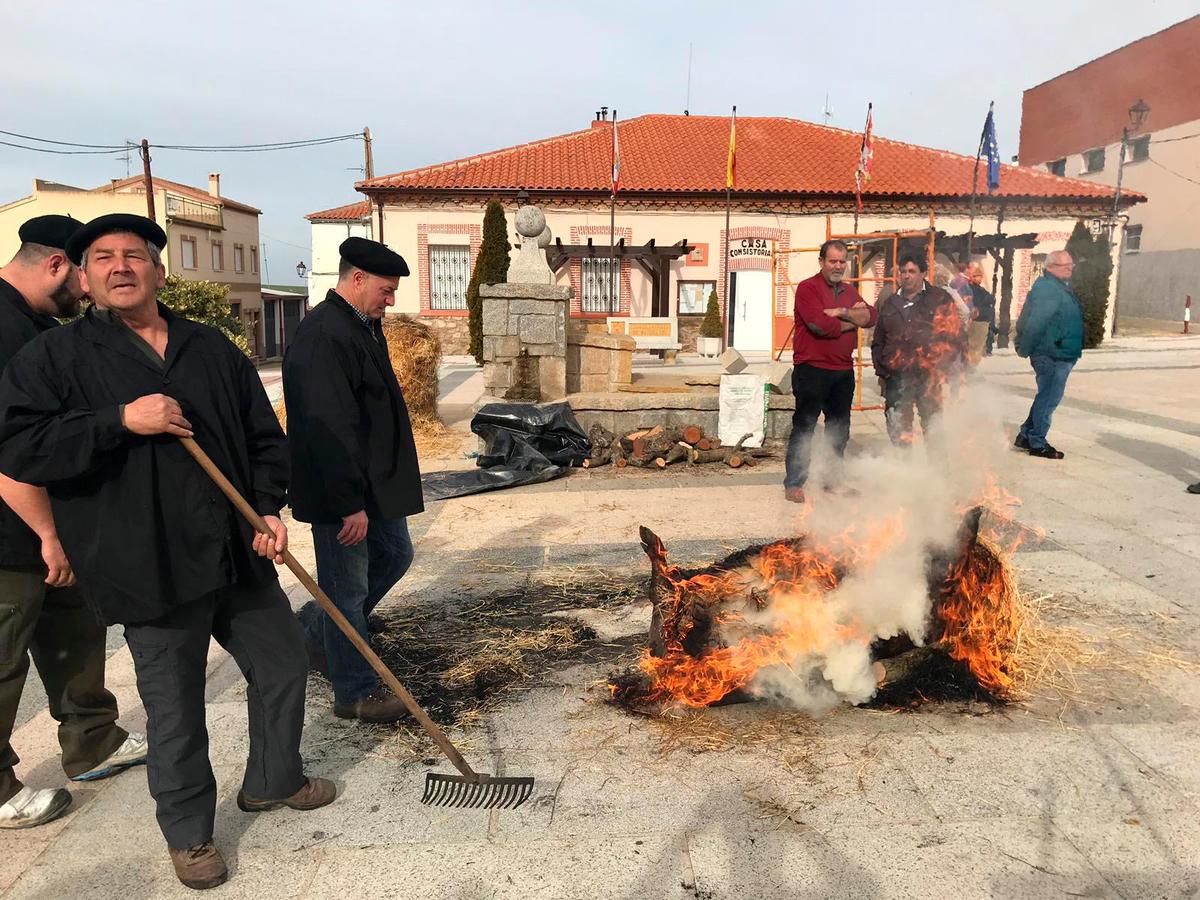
x=352, y=212
x=672, y=153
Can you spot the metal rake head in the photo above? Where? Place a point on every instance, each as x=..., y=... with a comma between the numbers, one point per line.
x=491, y=792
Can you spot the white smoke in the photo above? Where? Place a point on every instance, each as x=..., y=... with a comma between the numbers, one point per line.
x=925, y=490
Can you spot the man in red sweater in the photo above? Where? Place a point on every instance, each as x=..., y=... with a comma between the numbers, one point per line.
x=828, y=313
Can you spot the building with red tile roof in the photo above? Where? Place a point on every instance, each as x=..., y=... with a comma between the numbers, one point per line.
x=1133, y=115
x=794, y=184
x=210, y=237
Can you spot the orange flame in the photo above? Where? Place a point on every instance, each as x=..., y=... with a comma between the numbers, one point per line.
x=976, y=612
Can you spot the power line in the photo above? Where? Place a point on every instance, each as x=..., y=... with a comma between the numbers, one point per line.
x=295, y=145
x=112, y=152
x=27, y=137
x=1184, y=137
x=1173, y=172
x=99, y=149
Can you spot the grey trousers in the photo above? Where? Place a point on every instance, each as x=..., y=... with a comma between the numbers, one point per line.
x=66, y=640
x=256, y=625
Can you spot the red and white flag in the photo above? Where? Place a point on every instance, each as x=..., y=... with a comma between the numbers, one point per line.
x=865, y=155
x=616, y=157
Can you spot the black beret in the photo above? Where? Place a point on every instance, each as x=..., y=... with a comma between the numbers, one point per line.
x=102, y=225
x=373, y=257
x=49, y=231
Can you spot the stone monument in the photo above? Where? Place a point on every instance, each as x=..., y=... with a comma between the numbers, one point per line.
x=525, y=321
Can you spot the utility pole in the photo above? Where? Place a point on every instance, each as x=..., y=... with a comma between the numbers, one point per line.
x=370, y=160
x=148, y=179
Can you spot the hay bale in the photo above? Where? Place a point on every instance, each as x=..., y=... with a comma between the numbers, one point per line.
x=415, y=353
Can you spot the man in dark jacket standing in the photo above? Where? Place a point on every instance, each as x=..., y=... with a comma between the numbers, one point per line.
x=1050, y=335
x=918, y=342
x=354, y=464
x=828, y=315
x=984, y=303
x=93, y=412
x=41, y=610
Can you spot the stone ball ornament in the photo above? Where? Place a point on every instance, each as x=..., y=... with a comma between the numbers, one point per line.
x=531, y=221
x=544, y=238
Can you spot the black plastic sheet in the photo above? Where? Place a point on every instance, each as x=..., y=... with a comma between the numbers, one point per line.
x=523, y=443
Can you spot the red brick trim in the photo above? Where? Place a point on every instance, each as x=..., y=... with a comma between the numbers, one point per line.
x=424, y=230
x=578, y=234
x=783, y=243
x=1024, y=266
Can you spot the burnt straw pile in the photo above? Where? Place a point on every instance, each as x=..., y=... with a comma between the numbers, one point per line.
x=787, y=621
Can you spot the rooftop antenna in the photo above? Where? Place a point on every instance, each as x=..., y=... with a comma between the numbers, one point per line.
x=828, y=112
x=688, y=102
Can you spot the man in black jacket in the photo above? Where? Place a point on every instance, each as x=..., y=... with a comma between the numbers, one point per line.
x=354, y=464
x=41, y=611
x=93, y=412
x=917, y=345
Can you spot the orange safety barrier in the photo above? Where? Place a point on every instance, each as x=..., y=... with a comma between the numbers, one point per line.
x=856, y=243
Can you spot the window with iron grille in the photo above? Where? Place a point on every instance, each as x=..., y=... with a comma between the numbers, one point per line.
x=1133, y=239
x=1057, y=167
x=1093, y=161
x=449, y=275
x=601, y=293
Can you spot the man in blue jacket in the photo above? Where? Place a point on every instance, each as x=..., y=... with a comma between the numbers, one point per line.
x=1050, y=335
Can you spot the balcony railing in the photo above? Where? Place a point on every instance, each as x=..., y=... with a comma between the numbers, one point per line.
x=197, y=212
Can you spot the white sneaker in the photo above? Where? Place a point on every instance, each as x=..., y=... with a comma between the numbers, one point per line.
x=28, y=807
x=130, y=753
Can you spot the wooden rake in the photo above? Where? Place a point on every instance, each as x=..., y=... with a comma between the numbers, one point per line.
x=471, y=789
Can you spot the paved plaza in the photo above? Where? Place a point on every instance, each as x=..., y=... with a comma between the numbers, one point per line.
x=1092, y=791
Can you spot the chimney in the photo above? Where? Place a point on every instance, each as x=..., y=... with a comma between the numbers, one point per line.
x=214, y=183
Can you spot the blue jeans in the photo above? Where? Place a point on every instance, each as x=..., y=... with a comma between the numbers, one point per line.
x=356, y=579
x=1051, y=375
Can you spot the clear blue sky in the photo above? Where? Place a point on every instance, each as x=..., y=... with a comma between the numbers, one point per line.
x=438, y=81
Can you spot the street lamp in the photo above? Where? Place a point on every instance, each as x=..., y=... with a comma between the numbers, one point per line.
x=1137, y=118
x=301, y=268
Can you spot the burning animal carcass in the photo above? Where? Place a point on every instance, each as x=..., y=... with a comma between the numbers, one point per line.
x=815, y=625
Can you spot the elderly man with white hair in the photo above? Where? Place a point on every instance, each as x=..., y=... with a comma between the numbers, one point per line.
x=1050, y=335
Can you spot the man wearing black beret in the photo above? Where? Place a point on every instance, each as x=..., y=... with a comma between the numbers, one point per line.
x=41, y=610
x=93, y=411
x=354, y=464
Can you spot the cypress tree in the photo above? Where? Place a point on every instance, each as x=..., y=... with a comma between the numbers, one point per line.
x=1090, y=281
x=711, y=326
x=491, y=267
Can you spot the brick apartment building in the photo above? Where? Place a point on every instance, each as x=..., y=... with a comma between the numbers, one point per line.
x=1072, y=125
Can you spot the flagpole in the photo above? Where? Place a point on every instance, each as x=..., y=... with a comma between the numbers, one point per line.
x=858, y=173
x=975, y=183
x=613, y=274
x=728, y=244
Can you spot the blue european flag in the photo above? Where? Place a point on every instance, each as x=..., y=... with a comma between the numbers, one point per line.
x=993, y=152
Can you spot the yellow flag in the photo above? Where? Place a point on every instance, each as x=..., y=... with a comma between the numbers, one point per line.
x=731, y=166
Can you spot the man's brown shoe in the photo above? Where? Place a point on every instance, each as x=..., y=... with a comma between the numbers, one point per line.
x=199, y=867
x=317, y=792
x=380, y=707
x=794, y=494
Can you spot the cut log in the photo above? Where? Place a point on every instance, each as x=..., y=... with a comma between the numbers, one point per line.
x=600, y=437
x=678, y=453
x=897, y=668
x=598, y=458
x=704, y=444
x=692, y=434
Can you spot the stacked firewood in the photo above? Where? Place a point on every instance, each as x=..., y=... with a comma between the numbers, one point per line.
x=662, y=446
